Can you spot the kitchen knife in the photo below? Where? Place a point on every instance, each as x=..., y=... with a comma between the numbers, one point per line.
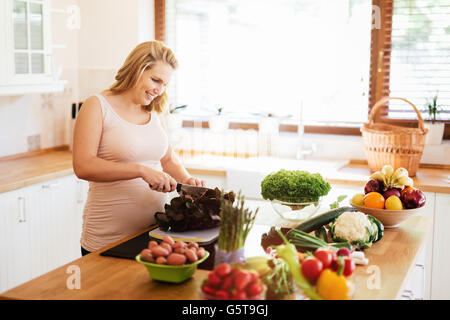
x=192, y=190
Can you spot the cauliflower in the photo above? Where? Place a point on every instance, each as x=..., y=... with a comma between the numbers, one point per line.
x=353, y=226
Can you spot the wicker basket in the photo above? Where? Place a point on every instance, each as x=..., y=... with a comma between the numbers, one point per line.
x=394, y=145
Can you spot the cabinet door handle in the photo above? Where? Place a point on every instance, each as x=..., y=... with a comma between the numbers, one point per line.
x=22, y=210
x=51, y=185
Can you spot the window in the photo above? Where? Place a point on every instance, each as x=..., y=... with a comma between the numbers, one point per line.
x=307, y=59
x=420, y=57
x=28, y=37
x=324, y=64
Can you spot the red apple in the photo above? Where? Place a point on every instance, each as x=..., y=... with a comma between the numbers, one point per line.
x=391, y=192
x=413, y=199
x=373, y=186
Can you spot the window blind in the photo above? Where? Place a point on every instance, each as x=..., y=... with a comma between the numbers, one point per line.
x=419, y=59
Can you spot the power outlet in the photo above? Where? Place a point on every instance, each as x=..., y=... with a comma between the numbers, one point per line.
x=34, y=142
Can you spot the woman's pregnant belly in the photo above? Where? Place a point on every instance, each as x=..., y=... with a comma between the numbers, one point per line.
x=118, y=209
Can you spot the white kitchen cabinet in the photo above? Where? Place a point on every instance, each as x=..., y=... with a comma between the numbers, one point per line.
x=40, y=229
x=26, y=58
x=440, y=285
x=14, y=239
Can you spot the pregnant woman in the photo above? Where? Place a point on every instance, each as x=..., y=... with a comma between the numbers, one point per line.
x=121, y=148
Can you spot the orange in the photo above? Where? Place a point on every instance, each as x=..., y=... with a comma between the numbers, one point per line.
x=374, y=200
x=406, y=189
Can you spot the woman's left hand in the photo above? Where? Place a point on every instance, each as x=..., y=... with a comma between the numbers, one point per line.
x=195, y=182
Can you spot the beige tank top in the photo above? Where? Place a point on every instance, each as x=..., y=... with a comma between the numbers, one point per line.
x=115, y=210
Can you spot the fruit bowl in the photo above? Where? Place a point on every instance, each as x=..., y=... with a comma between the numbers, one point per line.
x=295, y=211
x=173, y=274
x=389, y=218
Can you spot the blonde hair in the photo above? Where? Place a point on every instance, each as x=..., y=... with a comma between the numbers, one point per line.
x=143, y=57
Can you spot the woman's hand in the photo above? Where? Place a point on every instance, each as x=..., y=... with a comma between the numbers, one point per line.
x=158, y=180
x=195, y=182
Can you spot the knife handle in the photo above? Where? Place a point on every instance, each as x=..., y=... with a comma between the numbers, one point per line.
x=156, y=190
x=178, y=187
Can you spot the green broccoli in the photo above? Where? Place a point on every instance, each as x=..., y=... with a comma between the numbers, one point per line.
x=294, y=186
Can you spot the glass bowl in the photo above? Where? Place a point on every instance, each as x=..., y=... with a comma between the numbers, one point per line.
x=295, y=211
x=204, y=296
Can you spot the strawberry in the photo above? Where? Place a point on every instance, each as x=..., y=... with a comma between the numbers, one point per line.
x=208, y=290
x=223, y=269
x=213, y=279
x=227, y=283
x=241, y=280
x=254, y=277
x=255, y=289
x=222, y=295
x=239, y=295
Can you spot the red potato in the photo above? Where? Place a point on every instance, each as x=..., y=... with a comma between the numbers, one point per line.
x=177, y=245
x=201, y=252
x=146, y=255
x=193, y=245
x=176, y=259
x=181, y=244
x=161, y=260
x=180, y=250
x=152, y=244
x=191, y=255
x=169, y=240
x=166, y=246
x=159, y=251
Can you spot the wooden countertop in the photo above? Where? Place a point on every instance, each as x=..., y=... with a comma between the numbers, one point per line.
x=20, y=171
x=113, y=278
x=34, y=167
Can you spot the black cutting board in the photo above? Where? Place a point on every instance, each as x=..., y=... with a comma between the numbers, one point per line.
x=131, y=248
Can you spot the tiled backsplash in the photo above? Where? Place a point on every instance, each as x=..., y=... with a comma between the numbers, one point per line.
x=33, y=121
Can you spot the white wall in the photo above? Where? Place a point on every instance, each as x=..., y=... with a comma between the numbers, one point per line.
x=46, y=115
x=89, y=56
x=110, y=30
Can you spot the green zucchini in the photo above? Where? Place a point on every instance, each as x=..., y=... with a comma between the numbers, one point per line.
x=323, y=219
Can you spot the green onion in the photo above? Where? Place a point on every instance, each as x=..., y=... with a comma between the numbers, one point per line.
x=307, y=241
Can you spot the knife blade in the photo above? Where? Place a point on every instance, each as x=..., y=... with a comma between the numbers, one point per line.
x=192, y=190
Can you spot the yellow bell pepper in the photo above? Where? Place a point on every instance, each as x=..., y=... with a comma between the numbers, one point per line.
x=331, y=286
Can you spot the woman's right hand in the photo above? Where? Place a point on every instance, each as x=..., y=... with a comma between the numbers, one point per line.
x=158, y=180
